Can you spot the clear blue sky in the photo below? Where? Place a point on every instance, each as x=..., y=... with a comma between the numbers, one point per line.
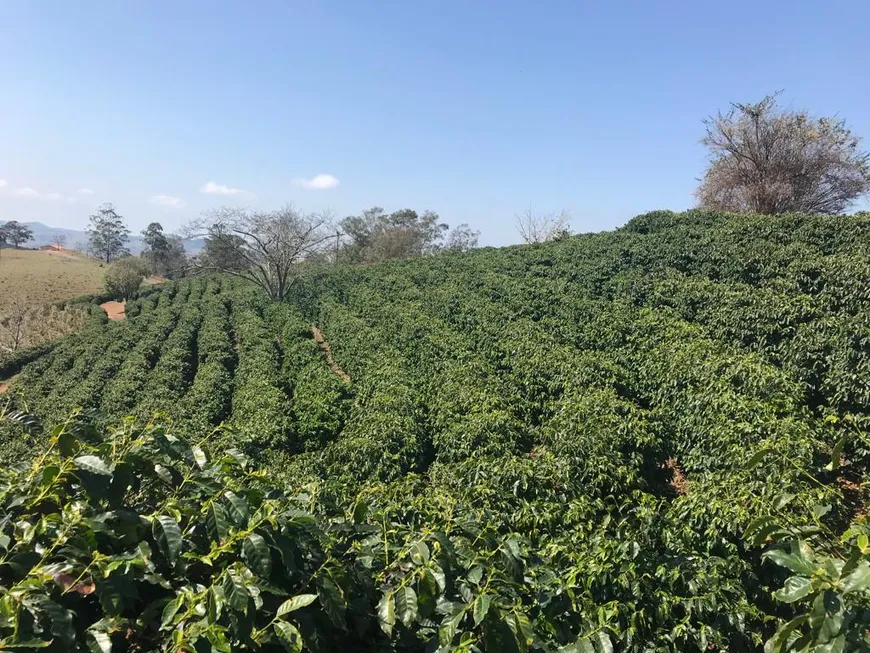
x=474, y=110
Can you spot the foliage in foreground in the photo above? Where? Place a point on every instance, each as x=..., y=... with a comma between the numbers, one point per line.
x=136, y=540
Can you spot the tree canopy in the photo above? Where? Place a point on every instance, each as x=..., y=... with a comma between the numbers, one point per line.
x=764, y=159
x=266, y=248
x=376, y=235
x=461, y=238
x=15, y=233
x=108, y=234
x=124, y=277
x=163, y=254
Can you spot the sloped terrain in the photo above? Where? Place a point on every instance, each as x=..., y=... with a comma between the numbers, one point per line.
x=585, y=432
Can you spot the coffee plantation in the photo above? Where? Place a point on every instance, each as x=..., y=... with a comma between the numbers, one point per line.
x=651, y=439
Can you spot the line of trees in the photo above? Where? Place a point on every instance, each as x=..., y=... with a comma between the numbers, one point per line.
x=267, y=248
x=763, y=159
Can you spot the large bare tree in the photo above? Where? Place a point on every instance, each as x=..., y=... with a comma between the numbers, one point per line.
x=266, y=248
x=764, y=159
x=537, y=227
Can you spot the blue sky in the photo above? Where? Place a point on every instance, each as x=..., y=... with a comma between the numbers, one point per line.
x=472, y=109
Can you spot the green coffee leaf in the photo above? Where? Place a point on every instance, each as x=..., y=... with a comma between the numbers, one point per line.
x=257, y=555
x=331, y=600
x=481, y=608
x=235, y=590
x=237, y=509
x=94, y=465
x=199, y=457
x=836, y=454
x=602, y=642
x=295, y=603
x=169, y=612
x=167, y=534
x=27, y=644
x=858, y=580
x=448, y=628
x=406, y=605
x=757, y=457
x=387, y=613
x=419, y=553
x=794, y=560
x=217, y=522
x=794, y=589
x=290, y=638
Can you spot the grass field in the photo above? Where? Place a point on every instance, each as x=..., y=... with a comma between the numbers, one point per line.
x=45, y=277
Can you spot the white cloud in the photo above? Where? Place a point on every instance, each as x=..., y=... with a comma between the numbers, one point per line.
x=317, y=182
x=3, y=183
x=212, y=188
x=168, y=201
x=33, y=194
x=85, y=191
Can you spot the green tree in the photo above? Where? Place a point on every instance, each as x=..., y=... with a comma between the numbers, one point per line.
x=376, y=235
x=124, y=277
x=108, y=234
x=222, y=251
x=462, y=238
x=767, y=160
x=16, y=233
x=163, y=254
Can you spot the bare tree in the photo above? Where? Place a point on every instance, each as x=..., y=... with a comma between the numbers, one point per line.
x=25, y=325
x=767, y=160
x=13, y=324
x=542, y=227
x=266, y=248
x=59, y=241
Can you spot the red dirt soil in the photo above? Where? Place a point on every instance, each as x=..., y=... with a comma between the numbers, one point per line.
x=4, y=386
x=320, y=340
x=678, y=481
x=115, y=310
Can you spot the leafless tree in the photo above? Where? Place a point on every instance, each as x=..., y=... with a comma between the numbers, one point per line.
x=13, y=324
x=266, y=248
x=541, y=227
x=59, y=241
x=767, y=160
x=25, y=325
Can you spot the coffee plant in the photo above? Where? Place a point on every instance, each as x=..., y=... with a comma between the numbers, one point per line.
x=652, y=439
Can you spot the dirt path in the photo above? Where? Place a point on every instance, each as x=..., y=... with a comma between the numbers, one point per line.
x=319, y=339
x=115, y=310
x=4, y=385
x=62, y=253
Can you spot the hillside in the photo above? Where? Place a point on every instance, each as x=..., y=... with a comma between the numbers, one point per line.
x=46, y=277
x=584, y=445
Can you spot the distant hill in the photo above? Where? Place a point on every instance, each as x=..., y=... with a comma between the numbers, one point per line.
x=45, y=235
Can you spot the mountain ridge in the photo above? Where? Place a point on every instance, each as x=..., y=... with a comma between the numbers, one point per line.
x=44, y=234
